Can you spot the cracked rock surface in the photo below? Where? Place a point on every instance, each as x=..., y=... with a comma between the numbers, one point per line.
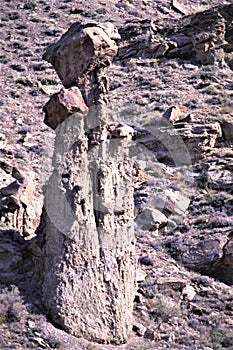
x=173, y=55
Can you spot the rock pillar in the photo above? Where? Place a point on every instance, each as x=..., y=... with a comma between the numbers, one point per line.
x=88, y=263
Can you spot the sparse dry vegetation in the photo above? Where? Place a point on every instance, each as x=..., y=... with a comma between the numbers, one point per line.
x=198, y=248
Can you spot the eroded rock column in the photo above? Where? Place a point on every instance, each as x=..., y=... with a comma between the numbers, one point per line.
x=88, y=263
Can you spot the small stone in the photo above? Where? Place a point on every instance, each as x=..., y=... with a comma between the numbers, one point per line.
x=121, y=131
x=151, y=334
x=31, y=324
x=3, y=141
x=173, y=283
x=107, y=277
x=63, y=104
x=139, y=329
x=227, y=131
x=175, y=114
x=151, y=219
x=191, y=67
x=110, y=30
x=141, y=275
x=188, y=293
x=19, y=121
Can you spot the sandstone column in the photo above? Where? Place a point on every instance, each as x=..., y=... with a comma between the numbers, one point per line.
x=88, y=263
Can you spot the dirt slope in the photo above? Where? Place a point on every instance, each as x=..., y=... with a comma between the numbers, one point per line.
x=180, y=302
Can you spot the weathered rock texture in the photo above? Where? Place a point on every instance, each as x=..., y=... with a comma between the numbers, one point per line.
x=63, y=104
x=11, y=257
x=88, y=262
x=81, y=58
x=169, y=142
x=204, y=36
x=204, y=244
x=16, y=197
x=173, y=307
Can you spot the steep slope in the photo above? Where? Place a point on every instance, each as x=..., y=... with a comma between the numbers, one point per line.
x=165, y=59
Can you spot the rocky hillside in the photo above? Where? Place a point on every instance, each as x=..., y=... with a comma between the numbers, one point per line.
x=171, y=82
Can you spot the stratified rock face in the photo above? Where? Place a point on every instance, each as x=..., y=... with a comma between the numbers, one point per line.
x=204, y=36
x=210, y=38
x=62, y=104
x=199, y=139
x=88, y=263
x=81, y=57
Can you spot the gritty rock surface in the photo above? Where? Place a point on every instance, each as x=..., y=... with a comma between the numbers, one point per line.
x=62, y=105
x=164, y=59
x=88, y=264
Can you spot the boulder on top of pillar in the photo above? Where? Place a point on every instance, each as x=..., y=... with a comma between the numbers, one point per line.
x=82, y=50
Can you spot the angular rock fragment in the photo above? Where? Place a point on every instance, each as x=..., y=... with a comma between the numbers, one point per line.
x=204, y=256
x=181, y=144
x=200, y=139
x=188, y=293
x=172, y=283
x=175, y=114
x=62, y=104
x=224, y=272
x=119, y=130
x=139, y=329
x=81, y=58
x=178, y=6
x=110, y=30
x=151, y=219
x=213, y=257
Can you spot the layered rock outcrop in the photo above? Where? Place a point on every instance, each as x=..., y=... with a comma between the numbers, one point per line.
x=204, y=36
x=204, y=39
x=184, y=142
